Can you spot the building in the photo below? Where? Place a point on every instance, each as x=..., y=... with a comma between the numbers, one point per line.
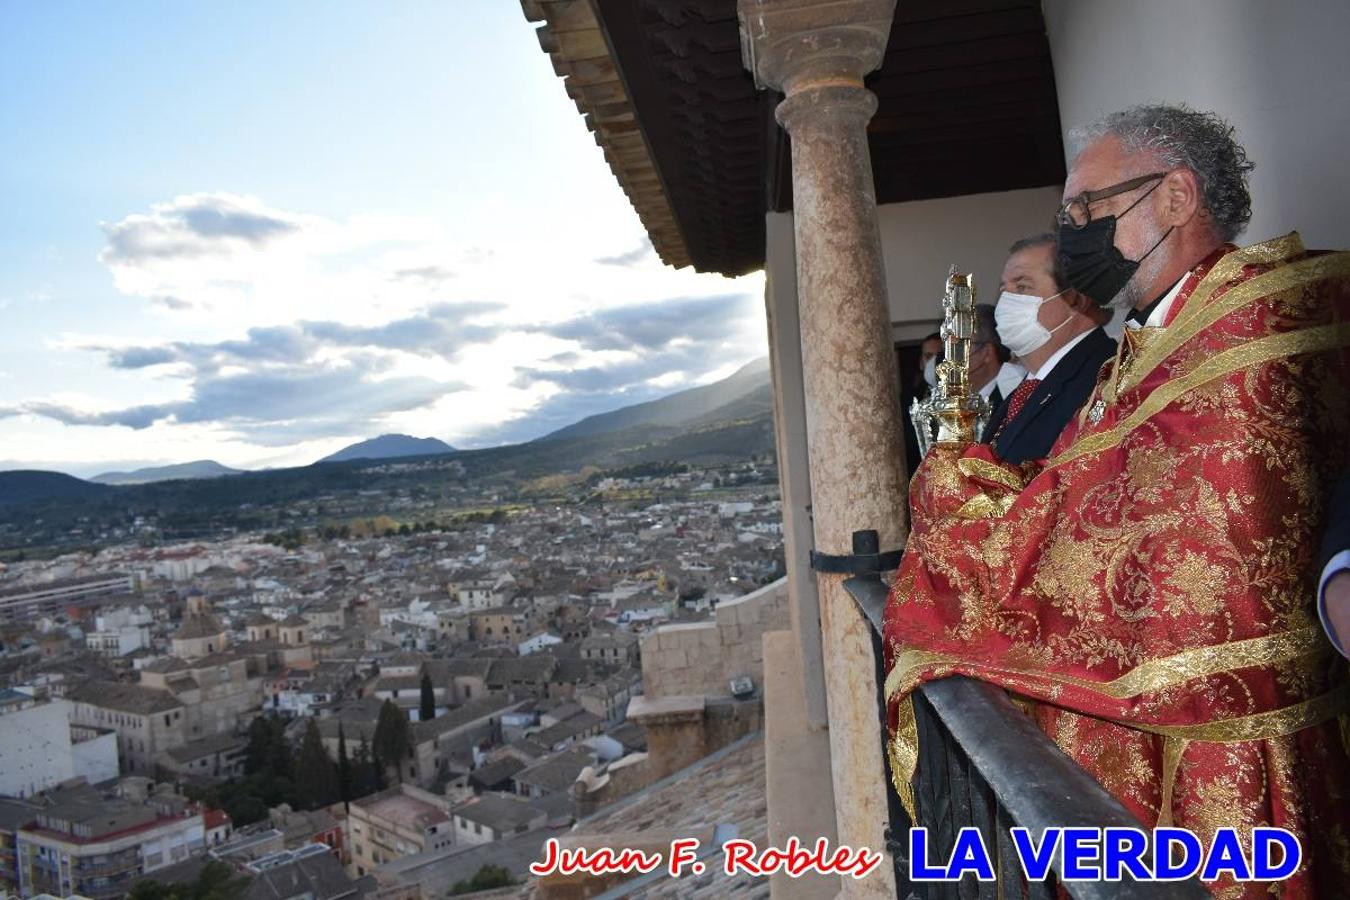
x=617, y=648
x=312, y=874
x=200, y=633
x=119, y=632
x=477, y=593
x=39, y=749
x=14, y=814
x=220, y=756
x=395, y=823
x=220, y=692
x=536, y=642
x=31, y=601
x=499, y=623
x=147, y=721
x=495, y=817
x=97, y=846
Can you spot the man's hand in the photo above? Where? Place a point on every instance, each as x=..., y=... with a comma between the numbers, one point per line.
x=1337, y=598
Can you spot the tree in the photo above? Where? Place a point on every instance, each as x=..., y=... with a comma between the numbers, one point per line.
x=216, y=881
x=392, y=737
x=487, y=877
x=316, y=779
x=428, y=708
x=344, y=769
x=363, y=775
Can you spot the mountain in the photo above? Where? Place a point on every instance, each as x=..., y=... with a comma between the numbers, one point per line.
x=21, y=486
x=699, y=404
x=390, y=446
x=202, y=468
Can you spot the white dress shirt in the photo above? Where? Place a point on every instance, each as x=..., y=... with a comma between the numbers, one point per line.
x=1049, y=365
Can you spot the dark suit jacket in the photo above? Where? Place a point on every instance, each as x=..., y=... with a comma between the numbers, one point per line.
x=1056, y=399
x=1337, y=536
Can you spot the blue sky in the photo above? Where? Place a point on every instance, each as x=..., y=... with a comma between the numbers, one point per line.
x=258, y=231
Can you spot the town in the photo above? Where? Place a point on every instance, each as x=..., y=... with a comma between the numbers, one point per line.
x=380, y=707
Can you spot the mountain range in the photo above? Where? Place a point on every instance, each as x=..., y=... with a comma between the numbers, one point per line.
x=727, y=421
x=202, y=468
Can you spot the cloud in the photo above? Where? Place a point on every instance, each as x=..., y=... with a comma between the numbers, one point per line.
x=195, y=225
x=443, y=331
x=170, y=302
x=632, y=354
x=273, y=406
x=631, y=258
x=424, y=274
x=310, y=379
x=652, y=326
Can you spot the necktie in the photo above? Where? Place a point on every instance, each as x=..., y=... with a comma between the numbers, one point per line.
x=1018, y=400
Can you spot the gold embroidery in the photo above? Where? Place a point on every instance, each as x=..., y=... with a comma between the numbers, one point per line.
x=982, y=506
x=903, y=750
x=1147, y=677
x=981, y=468
x=1253, y=353
x=1261, y=726
x=1195, y=317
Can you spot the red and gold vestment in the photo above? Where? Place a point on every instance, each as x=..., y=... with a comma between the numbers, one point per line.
x=1150, y=587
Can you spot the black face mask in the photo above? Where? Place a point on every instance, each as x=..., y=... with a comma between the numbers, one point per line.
x=1092, y=264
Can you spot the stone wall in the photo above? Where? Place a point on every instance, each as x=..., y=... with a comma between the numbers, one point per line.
x=700, y=659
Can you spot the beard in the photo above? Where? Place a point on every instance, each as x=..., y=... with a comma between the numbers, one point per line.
x=1131, y=296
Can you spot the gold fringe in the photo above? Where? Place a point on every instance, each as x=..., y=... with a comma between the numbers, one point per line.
x=1149, y=676
x=1173, y=749
x=903, y=751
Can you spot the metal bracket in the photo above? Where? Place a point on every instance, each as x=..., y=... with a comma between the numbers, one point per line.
x=866, y=558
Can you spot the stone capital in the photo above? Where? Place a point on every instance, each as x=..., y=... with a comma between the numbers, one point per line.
x=791, y=44
x=828, y=104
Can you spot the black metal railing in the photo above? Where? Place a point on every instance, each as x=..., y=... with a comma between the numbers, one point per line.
x=984, y=764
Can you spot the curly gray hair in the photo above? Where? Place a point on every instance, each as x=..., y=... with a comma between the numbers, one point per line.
x=1200, y=141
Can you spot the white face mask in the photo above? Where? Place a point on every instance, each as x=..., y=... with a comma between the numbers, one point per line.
x=1018, y=327
x=930, y=371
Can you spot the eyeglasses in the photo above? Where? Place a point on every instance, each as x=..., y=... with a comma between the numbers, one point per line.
x=1076, y=211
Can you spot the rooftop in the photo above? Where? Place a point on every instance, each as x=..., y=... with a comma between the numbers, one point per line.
x=395, y=806
x=502, y=813
x=132, y=698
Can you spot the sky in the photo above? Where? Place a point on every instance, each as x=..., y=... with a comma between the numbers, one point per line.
x=256, y=232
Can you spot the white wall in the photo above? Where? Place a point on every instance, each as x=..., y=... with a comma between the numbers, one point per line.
x=35, y=749
x=96, y=758
x=1278, y=72
x=921, y=240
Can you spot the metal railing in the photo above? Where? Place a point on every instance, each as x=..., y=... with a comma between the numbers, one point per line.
x=984, y=764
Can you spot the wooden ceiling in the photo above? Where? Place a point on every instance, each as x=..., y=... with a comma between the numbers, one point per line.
x=967, y=105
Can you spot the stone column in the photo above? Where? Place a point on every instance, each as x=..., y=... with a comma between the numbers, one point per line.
x=817, y=53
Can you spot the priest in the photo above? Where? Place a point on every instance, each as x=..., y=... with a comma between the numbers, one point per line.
x=1149, y=589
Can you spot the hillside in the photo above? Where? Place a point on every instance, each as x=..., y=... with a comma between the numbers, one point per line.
x=21, y=487
x=681, y=408
x=202, y=468
x=50, y=509
x=390, y=446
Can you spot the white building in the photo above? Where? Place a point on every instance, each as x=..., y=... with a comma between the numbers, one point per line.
x=541, y=641
x=120, y=632
x=94, y=846
x=39, y=750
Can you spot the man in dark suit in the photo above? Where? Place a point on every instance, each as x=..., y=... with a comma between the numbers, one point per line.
x=1057, y=335
x=988, y=357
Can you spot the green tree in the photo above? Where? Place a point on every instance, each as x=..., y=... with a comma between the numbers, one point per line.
x=486, y=878
x=427, y=712
x=344, y=768
x=392, y=737
x=316, y=778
